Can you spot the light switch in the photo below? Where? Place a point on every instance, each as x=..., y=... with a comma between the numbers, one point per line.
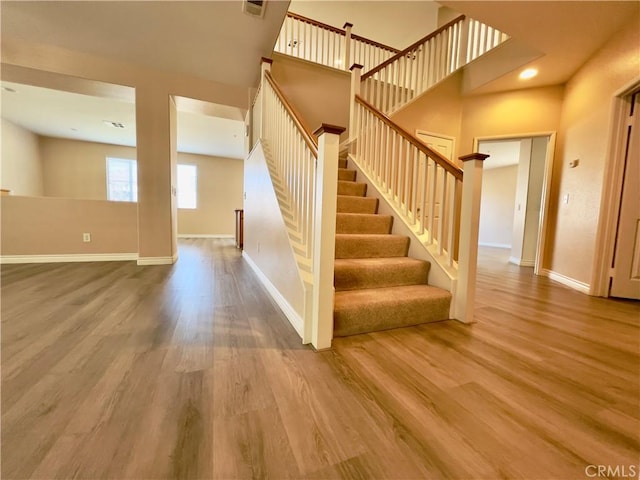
x=565, y=198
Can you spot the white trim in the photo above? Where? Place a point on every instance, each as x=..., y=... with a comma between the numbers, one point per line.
x=204, y=235
x=440, y=135
x=566, y=281
x=158, y=260
x=611, y=192
x=546, y=187
x=522, y=263
x=294, y=319
x=494, y=245
x=69, y=258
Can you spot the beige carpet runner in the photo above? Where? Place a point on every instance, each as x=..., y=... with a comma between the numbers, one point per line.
x=377, y=286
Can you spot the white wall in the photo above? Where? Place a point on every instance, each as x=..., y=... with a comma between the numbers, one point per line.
x=497, y=206
x=21, y=170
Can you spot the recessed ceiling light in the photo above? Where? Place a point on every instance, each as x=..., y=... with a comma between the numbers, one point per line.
x=8, y=89
x=528, y=73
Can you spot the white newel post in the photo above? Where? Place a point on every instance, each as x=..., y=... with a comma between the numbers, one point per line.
x=464, y=42
x=346, y=57
x=465, y=291
x=324, y=232
x=265, y=66
x=356, y=74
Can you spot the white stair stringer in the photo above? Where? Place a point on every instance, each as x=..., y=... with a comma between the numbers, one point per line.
x=300, y=251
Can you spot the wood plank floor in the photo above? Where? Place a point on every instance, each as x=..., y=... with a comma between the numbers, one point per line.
x=110, y=370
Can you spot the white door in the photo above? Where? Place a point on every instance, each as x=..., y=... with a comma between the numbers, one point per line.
x=440, y=144
x=625, y=278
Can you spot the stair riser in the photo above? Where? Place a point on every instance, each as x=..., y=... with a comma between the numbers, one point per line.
x=355, y=246
x=351, y=204
x=353, y=319
x=354, y=277
x=347, y=175
x=358, y=223
x=352, y=188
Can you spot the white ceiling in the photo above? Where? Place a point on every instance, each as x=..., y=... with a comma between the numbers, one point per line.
x=223, y=44
x=56, y=113
x=208, y=39
x=504, y=153
x=567, y=33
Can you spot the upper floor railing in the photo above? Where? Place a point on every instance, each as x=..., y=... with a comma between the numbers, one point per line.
x=403, y=77
x=318, y=42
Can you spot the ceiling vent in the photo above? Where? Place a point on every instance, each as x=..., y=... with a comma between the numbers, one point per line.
x=255, y=8
x=113, y=124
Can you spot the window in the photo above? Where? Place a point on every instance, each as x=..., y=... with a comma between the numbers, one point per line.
x=122, y=180
x=187, y=186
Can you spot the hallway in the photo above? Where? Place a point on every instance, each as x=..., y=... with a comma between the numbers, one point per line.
x=111, y=370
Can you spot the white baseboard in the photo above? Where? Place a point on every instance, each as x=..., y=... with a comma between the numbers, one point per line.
x=203, y=235
x=522, y=263
x=294, y=319
x=69, y=258
x=158, y=260
x=494, y=245
x=566, y=281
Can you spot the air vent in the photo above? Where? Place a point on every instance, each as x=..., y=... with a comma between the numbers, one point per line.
x=113, y=124
x=255, y=8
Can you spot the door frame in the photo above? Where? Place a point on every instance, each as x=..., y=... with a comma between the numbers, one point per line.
x=441, y=135
x=546, y=186
x=606, y=230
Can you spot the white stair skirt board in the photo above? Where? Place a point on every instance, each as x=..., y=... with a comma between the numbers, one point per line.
x=204, y=235
x=158, y=260
x=69, y=258
x=294, y=319
x=566, y=281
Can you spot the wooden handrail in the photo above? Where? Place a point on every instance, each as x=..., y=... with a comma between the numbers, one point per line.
x=316, y=23
x=411, y=47
x=437, y=157
x=297, y=119
x=374, y=43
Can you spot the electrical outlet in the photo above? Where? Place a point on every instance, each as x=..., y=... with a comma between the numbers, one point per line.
x=86, y=237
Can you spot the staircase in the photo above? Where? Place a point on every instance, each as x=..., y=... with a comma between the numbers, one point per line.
x=377, y=285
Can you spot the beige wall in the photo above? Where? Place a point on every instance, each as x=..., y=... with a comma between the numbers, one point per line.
x=220, y=187
x=32, y=63
x=497, y=206
x=437, y=111
x=75, y=169
x=319, y=94
x=585, y=134
x=54, y=226
x=510, y=113
x=21, y=170
x=266, y=241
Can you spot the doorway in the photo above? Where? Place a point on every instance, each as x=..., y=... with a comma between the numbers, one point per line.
x=514, y=195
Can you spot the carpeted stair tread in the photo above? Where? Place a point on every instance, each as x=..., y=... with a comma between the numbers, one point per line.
x=347, y=175
x=352, y=188
x=363, y=223
x=342, y=163
x=374, y=309
x=358, y=273
x=371, y=245
x=351, y=204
